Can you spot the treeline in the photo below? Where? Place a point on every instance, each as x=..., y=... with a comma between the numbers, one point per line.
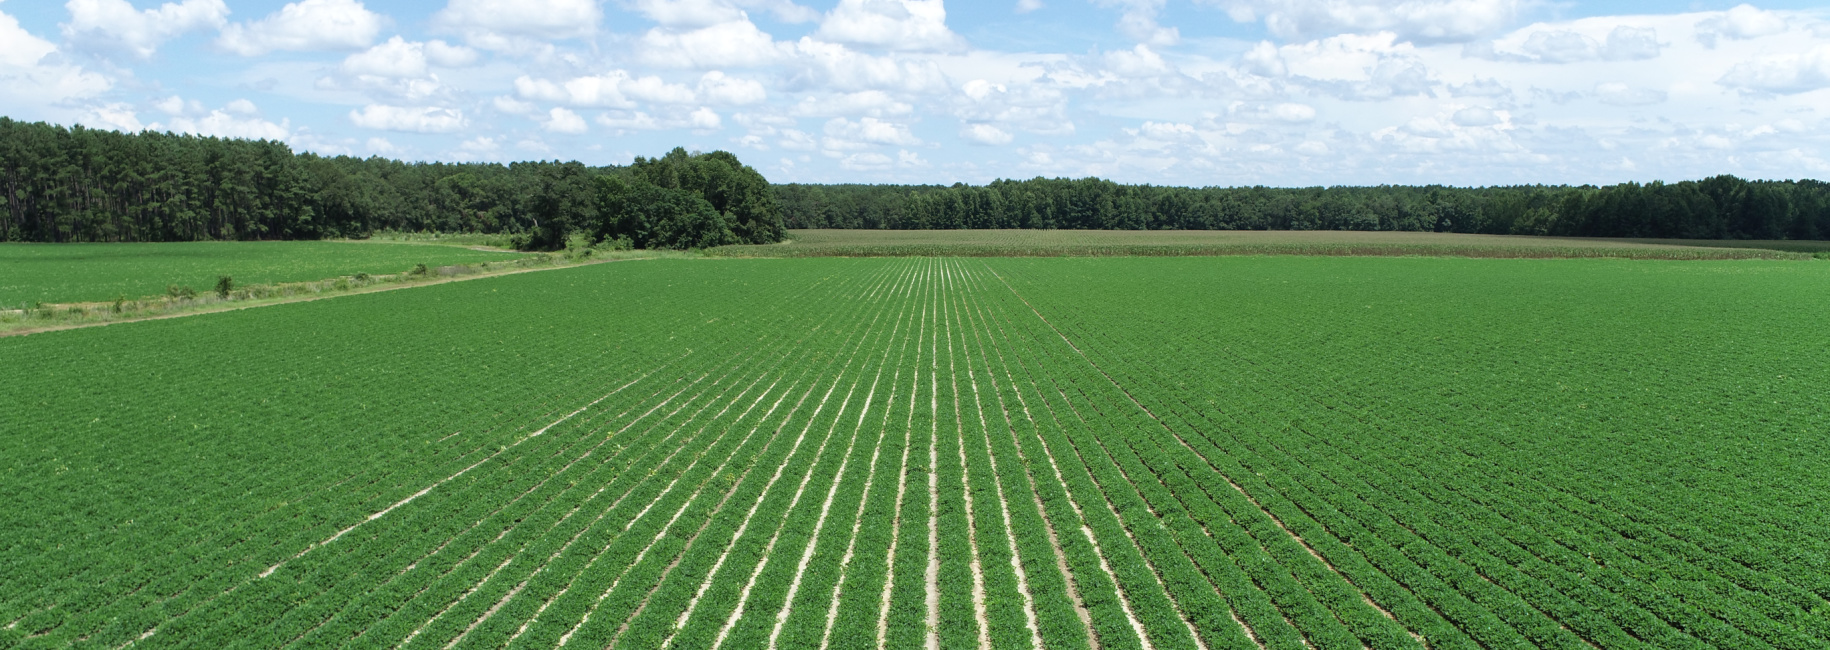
x=78, y=184
x=1722, y=207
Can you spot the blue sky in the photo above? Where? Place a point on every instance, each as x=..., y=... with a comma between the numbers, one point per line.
x=1188, y=92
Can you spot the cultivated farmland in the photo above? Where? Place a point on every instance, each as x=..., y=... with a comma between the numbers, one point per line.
x=99, y=272
x=1240, y=452
x=1182, y=243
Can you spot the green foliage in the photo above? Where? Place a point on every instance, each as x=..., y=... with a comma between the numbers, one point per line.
x=83, y=185
x=418, y=269
x=176, y=291
x=1722, y=207
x=735, y=191
x=224, y=285
x=652, y=216
x=686, y=201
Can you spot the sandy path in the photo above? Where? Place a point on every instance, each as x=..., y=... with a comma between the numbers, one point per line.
x=269, y=302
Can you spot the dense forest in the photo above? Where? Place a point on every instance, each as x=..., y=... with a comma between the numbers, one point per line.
x=1722, y=207
x=76, y=184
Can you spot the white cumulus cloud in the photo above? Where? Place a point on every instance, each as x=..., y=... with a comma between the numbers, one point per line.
x=701, y=120
x=836, y=67
x=560, y=120
x=842, y=133
x=1621, y=94
x=305, y=25
x=690, y=13
x=1138, y=21
x=395, y=58
x=704, y=118
x=1783, y=74
x=117, y=116
x=512, y=24
x=1291, y=112
x=614, y=89
x=1423, y=21
x=717, y=87
x=419, y=119
x=112, y=24
x=868, y=161
x=1475, y=116
x=399, y=70
x=33, y=76
x=911, y=25
x=1623, y=43
x=874, y=103
x=399, y=57
x=238, y=119
x=1742, y=22
x=730, y=44
x=985, y=134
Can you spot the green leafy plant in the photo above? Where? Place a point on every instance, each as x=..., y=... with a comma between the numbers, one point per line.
x=224, y=285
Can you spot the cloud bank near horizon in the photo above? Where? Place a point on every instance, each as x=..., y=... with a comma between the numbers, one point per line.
x=1192, y=92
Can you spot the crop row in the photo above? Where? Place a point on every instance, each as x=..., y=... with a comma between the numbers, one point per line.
x=931, y=453
x=1478, y=538
x=170, y=590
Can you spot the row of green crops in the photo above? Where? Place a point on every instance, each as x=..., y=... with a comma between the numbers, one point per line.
x=1118, y=453
x=1477, y=250
x=1616, y=454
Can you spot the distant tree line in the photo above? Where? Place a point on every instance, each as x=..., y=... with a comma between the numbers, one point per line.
x=77, y=184
x=1722, y=207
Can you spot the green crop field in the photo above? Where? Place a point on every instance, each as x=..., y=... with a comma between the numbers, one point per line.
x=1172, y=243
x=1214, y=452
x=99, y=272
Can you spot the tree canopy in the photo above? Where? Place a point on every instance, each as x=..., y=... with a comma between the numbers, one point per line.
x=1722, y=207
x=78, y=184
